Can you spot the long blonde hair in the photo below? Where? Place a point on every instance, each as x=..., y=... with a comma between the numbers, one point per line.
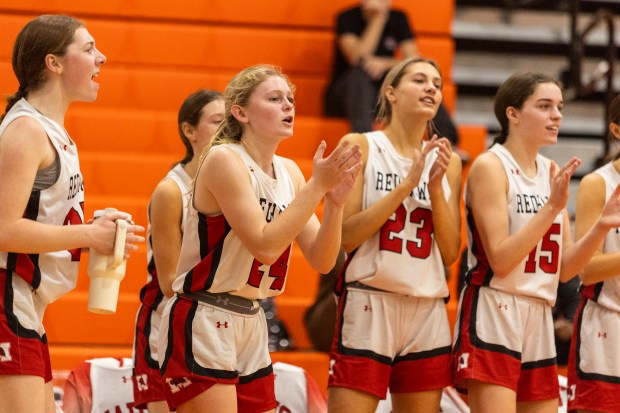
x=238, y=92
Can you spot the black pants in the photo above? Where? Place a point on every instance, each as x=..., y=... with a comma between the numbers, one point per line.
x=353, y=96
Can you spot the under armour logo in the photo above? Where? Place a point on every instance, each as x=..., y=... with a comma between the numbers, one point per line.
x=222, y=300
x=331, y=366
x=515, y=171
x=63, y=147
x=504, y=306
x=463, y=361
x=176, y=385
x=570, y=392
x=601, y=335
x=220, y=324
x=141, y=382
x=5, y=352
x=367, y=308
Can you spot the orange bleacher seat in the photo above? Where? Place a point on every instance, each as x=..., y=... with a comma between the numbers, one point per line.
x=429, y=17
x=68, y=321
x=150, y=131
x=472, y=139
x=124, y=173
x=67, y=356
x=144, y=59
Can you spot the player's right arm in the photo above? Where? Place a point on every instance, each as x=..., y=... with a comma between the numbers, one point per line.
x=487, y=187
x=25, y=149
x=590, y=202
x=223, y=185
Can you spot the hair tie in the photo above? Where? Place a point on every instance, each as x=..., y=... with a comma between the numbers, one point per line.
x=21, y=90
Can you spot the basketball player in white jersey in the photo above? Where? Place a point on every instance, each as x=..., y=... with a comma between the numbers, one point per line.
x=401, y=226
x=594, y=361
x=250, y=205
x=519, y=248
x=56, y=63
x=198, y=118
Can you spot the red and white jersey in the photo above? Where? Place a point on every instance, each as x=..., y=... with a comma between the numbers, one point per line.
x=214, y=259
x=51, y=274
x=100, y=385
x=150, y=294
x=296, y=391
x=607, y=293
x=104, y=385
x=402, y=257
x=537, y=275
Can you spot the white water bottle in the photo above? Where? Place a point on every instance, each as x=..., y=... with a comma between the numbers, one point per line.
x=107, y=271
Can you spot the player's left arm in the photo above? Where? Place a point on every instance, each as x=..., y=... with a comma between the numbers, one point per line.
x=447, y=213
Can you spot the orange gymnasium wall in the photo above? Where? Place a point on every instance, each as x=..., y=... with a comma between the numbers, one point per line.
x=158, y=52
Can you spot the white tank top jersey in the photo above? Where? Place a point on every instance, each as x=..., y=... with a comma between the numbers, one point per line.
x=537, y=275
x=402, y=257
x=150, y=294
x=212, y=256
x=51, y=274
x=607, y=292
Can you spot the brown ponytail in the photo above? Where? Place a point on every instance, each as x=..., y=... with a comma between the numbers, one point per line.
x=46, y=34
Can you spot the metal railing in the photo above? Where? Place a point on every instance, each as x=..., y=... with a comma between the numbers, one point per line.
x=605, y=69
x=581, y=86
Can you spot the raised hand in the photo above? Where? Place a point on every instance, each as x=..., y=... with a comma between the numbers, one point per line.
x=610, y=215
x=343, y=164
x=419, y=160
x=340, y=193
x=440, y=166
x=560, y=181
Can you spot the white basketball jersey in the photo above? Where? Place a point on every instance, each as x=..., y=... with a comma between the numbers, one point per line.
x=607, y=292
x=112, y=388
x=537, y=275
x=296, y=391
x=100, y=385
x=151, y=295
x=214, y=259
x=51, y=274
x=402, y=257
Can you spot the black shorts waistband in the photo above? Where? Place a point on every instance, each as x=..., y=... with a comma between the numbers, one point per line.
x=225, y=300
x=361, y=286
